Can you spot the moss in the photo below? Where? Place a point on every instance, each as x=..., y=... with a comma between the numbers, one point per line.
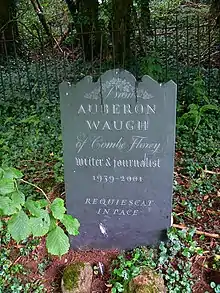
x=150, y=288
x=147, y=282
x=71, y=275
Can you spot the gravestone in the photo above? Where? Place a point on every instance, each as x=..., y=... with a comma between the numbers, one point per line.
x=119, y=138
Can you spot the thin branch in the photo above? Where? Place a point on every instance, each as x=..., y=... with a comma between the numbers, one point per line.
x=41, y=17
x=213, y=212
x=13, y=263
x=63, y=37
x=181, y=175
x=182, y=227
x=31, y=33
x=211, y=172
x=72, y=8
x=37, y=187
x=39, y=11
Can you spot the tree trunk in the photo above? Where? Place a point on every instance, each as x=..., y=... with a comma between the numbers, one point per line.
x=145, y=15
x=215, y=11
x=88, y=27
x=39, y=11
x=8, y=26
x=72, y=8
x=121, y=21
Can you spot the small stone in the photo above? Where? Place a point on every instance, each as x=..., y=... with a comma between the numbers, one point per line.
x=147, y=282
x=77, y=278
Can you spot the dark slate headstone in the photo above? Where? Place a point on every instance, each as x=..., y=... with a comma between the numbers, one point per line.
x=119, y=138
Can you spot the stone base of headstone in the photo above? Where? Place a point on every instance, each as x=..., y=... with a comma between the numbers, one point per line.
x=114, y=241
x=77, y=278
x=147, y=282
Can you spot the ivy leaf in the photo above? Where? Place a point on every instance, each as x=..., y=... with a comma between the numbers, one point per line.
x=186, y=252
x=40, y=226
x=31, y=119
x=7, y=206
x=18, y=198
x=19, y=226
x=12, y=173
x=57, y=242
x=71, y=224
x=119, y=287
x=57, y=208
x=33, y=208
x=6, y=186
x=212, y=285
x=1, y=226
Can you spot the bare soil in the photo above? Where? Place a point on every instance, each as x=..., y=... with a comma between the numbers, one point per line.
x=52, y=274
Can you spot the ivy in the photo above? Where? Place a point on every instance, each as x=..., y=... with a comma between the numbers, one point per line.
x=173, y=260
x=10, y=270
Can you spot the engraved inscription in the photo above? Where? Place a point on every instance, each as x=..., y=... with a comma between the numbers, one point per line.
x=127, y=118
x=135, y=142
x=117, y=109
x=145, y=162
x=119, y=141
x=117, y=125
x=112, y=179
x=120, y=207
x=119, y=202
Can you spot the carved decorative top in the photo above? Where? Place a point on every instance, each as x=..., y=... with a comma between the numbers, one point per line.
x=117, y=84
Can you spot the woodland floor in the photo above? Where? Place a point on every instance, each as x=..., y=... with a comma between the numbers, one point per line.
x=32, y=143
x=52, y=275
x=196, y=203
x=51, y=270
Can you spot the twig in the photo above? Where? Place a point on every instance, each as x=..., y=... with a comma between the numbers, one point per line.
x=211, y=55
x=213, y=212
x=58, y=45
x=179, y=214
x=180, y=175
x=211, y=172
x=13, y=263
x=62, y=38
x=37, y=187
x=197, y=232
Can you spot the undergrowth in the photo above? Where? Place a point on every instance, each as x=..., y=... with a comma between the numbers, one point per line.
x=172, y=261
x=14, y=276
x=31, y=141
x=24, y=216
